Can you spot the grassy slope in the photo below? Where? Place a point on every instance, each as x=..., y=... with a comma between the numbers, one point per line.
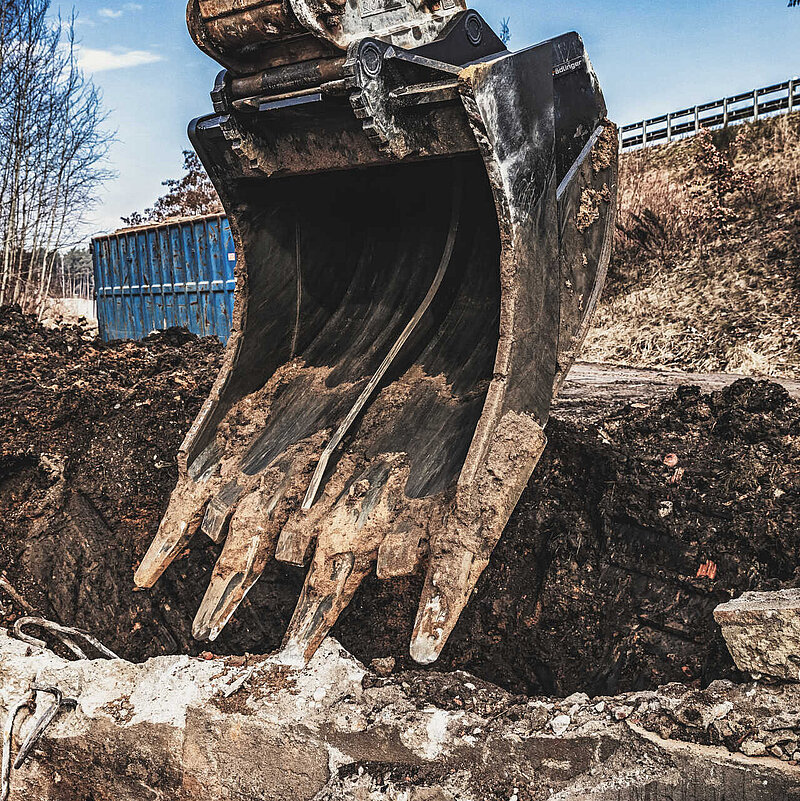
x=706, y=273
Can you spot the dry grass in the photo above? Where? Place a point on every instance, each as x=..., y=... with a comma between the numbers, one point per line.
x=706, y=274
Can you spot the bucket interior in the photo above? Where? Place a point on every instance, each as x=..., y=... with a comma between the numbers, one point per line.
x=337, y=264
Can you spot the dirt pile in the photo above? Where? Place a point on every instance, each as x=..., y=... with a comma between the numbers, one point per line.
x=627, y=537
x=88, y=437
x=631, y=531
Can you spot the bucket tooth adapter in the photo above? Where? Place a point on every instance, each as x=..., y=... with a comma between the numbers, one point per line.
x=423, y=222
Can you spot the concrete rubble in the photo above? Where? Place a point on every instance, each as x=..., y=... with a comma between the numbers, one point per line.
x=762, y=631
x=256, y=728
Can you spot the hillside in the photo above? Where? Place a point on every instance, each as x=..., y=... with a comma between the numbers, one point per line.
x=706, y=271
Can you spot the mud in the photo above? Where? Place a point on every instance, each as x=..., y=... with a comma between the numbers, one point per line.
x=606, y=150
x=589, y=211
x=593, y=587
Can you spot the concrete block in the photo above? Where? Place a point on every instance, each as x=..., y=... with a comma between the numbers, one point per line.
x=181, y=729
x=762, y=631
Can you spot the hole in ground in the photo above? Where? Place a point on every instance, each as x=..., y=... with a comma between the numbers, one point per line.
x=596, y=586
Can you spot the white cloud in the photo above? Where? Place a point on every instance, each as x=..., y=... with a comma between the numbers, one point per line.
x=93, y=60
x=78, y=22
x=116, y=13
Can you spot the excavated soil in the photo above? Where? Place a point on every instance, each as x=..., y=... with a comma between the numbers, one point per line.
x=627, y=537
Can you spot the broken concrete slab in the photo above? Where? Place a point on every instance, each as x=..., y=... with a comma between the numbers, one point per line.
x=185, y=729
x=762, y=632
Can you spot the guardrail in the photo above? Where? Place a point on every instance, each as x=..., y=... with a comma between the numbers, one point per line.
x=778, y=98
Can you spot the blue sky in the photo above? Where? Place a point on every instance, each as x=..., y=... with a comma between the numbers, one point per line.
x=652, y=57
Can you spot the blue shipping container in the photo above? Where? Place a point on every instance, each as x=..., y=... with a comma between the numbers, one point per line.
x=179, y=273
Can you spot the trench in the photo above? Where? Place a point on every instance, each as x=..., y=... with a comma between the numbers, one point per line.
x=595, y=586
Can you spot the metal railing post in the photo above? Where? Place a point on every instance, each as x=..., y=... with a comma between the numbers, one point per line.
x=792, y=105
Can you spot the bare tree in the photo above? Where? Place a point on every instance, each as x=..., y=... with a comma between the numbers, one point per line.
x=505, y=30
x=52, y=148
x=74, y=275
x=192, y=195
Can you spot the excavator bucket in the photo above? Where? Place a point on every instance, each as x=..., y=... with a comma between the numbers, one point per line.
x=423, y=222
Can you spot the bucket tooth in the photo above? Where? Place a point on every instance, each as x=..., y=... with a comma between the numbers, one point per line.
x=248, y=549
x=446, y=592
x=347, y=540
x=423, y=223
x=461, y=551
x=180, y=523
x=330, y=585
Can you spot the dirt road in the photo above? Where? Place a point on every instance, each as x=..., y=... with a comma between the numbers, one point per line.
x=592, y=389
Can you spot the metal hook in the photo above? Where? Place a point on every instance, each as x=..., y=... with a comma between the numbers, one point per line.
x=8, y=733
x=43, y=720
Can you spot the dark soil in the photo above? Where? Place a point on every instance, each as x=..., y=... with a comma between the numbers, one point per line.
x=593, y=587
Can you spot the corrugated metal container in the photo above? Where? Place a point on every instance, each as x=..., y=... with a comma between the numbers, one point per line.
x=155, y=277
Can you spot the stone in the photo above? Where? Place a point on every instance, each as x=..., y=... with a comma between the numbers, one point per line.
x=762, y=632
x=560, y=724
x=753, y=748
x=576, y=699
x=383, y=667
x=777, y=737
x=702, y=715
